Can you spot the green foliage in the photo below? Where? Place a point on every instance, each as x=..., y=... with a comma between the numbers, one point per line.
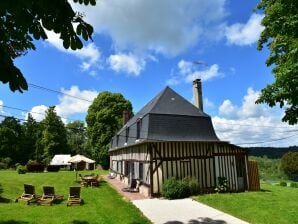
x=76, y=138
x=104, y=119
x=283, y=183
x=11, y=140
x=54, y=137
x=222, y=185
x=281, y=37
x=5, y=162
x=175, y=189
x=23, y=21
x=293, y=184
x=21, y=169
x=289, y=164
x=269, y=169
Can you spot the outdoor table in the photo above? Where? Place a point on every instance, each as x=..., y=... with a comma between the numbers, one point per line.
x=89, y=179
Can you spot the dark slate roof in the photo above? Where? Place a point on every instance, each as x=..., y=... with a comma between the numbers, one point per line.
x=171, y=118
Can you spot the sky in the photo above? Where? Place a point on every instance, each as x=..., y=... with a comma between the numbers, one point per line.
x=139, y=47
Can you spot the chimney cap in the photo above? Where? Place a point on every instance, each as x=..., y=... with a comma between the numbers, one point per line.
x=196, y=81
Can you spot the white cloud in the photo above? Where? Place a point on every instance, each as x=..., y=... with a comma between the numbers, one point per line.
x=252, y=123
x=127, y=63
x=248, y=109
x=245, y=34
x=69, y=105
x=188, y=71
x=165, y=27
x=208, y=103
x=89, y=54
x=38, y=112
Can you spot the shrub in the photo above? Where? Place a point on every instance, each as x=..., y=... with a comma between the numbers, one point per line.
x=294, y=185
x=222, y=185
x=283, y=183
x=193, y=185
x=174, y=189
x=51, y=168
x=289, y=164
x=33, y=166
x=21, y=169
x=5, y=162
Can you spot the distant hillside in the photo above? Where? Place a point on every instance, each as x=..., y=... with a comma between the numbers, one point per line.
x=270, y=152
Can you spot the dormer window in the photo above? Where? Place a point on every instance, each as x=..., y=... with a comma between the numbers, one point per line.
x=138, y=129
x=126, y=134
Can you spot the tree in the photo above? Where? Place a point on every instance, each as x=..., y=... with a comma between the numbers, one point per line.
x=32, y=133
x=289, y=164
x=11, y=137
x=76, y=137
x=281, y=37
x=54, y=137
x=104, y=118
x=23, y=21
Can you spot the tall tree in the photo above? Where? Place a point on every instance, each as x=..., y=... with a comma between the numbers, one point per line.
x=54, y=137
x=281, y=37
x=11, y=137
x=31, y=131
x=104, y=119
x=23, y=21
x=76, y=137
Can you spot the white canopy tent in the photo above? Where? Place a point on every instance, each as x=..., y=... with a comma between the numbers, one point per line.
x=61, y=160
x=82, y=160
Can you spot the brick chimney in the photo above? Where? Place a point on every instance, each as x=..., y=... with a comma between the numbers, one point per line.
x=126, y=116
x=197, y=94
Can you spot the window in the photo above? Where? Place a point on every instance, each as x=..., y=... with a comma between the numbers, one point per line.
x=138, y=128
x=141, y=171
x=117, y=140
x=126, y=134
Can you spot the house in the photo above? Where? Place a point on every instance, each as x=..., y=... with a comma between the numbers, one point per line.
x=170, y=137
x=61, y=161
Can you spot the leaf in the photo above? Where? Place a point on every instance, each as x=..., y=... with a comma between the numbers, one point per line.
x=66, y=43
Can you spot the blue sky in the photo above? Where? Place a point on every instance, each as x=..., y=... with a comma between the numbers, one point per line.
x=142, y=46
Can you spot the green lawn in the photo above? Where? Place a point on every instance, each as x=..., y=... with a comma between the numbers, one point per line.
x=101, y=205
x=274, y=204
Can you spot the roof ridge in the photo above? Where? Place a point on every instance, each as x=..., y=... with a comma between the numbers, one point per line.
x=158, y=97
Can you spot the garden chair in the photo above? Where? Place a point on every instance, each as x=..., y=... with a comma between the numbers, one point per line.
x=133, y=187
x=74, y=196
x=95, y=181
x=83, y=182
x=28, y=194
x=49, y=196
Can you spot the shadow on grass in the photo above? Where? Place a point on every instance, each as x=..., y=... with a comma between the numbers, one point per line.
x=79, y=222
x=13, y=222
x=4, y=200
x=199, y=221
x=264, y=190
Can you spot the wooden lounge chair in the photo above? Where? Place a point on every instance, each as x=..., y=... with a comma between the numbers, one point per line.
x=74, y=196
x=49, y=196
x=28, y=194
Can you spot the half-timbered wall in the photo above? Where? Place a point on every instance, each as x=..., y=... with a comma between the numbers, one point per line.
x=204, y=161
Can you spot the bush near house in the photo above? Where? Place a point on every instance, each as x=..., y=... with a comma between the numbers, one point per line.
x=34, y=166
x=175, y=189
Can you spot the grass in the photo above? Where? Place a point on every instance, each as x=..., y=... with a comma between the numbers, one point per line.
x=273, y=204
x=101, y=205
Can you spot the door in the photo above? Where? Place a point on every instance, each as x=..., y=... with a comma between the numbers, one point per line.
x=240, y=166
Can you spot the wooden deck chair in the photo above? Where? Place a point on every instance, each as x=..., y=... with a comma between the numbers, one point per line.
x=74, y=196
x=49, y=196
x=28, y=194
